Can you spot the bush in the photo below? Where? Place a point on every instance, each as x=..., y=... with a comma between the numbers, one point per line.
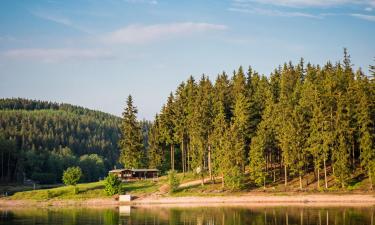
x=173, y=181
x=234, y=179
x=112, y=185
x=72, y=175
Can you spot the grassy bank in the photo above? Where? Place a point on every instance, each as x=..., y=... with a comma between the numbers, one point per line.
x=191, y=186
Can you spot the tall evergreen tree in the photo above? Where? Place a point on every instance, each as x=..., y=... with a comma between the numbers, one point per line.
x=131, y=143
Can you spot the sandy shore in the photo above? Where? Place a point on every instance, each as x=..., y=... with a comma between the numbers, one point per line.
x=322, y=199
x=246, y=199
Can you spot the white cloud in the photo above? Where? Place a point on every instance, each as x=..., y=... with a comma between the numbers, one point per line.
x=271, y=12
x=309, y=3
x=59, y=20
x=151, y=2
x=142, y=33
x=368, y=9
x=364, y=17
x=57, y=54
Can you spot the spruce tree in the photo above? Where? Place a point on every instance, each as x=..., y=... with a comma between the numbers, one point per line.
x=131, y=143
x=366, y=128
x=155, y=152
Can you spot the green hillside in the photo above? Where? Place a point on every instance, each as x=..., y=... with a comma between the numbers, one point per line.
x=39, y=139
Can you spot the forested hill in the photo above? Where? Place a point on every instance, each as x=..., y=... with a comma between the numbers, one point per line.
x=42, y=138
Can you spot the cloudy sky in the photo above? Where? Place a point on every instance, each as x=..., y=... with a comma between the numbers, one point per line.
x=94, y=53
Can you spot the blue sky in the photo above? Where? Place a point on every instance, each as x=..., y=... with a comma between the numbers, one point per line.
x=94, y=53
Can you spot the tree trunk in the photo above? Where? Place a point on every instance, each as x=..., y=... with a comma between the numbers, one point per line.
x=325, y=172
x=183, y=156
x=285, y=175
x=188, y=156
x=318, y=179
x=9, y=174
x=222, y=180
x=2, y=165
x=209, y=162
x=353, y=155
x=172, y=157
x=264, y=183
x=370, y=178
x=300, y=182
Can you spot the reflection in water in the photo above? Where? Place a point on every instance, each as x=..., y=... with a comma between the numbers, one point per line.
x=192, y=215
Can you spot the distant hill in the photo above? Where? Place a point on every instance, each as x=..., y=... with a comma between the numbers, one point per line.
x=45, y=131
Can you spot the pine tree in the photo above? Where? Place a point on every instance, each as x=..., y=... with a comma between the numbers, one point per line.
x=257, y=158
x=340, y=154
x=180, y=122
x=131, y=143
x=366, y=128
x=155, y=152
x=201, y=127
x=167, y=119
x=315, y=139
x=218, y=141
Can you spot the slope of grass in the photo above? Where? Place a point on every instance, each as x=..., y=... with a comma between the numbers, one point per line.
x=358, y=184
x=85, y=191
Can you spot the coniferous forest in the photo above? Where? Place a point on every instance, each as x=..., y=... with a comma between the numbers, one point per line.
x=300, y=119
x=39, y=140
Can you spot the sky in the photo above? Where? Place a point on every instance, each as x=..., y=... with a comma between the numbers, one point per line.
x=94, y=53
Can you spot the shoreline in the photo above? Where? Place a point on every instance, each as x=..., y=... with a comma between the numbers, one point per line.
x=290, y=199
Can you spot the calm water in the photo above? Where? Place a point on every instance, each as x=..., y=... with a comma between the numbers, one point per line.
x=197, y=215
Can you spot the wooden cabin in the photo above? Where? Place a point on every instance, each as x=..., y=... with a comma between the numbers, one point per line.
x=133, y=174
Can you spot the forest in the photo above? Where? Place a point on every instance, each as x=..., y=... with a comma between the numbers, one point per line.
x=39, y=140
x=302, y=118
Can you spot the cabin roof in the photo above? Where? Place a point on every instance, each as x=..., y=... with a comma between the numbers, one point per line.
x=133, y=170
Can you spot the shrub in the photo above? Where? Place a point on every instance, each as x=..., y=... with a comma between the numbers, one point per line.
x=112, y=185
x=234, y=179
x=72, y=175
x=173, y=181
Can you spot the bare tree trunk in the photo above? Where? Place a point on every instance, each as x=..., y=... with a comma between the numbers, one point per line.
x=264, y=183
x=209, y=161
x=300, y=182
x=9, y=174
x=318, y=179
x=325, y=172
x=183, y=156
x=353, y=155
x=222, y=180
x=188, y=156
x=172, y=157
x=285, y=175
x=2, y=165
x=370, y=178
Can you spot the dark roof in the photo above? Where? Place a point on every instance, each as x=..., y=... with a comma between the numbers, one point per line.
x=133, y=170
x=144, y=170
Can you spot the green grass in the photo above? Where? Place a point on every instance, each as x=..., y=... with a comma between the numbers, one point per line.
x=86, y=191
x=146, y=187
x=141, y=187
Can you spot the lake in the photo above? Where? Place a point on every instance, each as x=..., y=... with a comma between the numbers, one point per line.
x=215, y=215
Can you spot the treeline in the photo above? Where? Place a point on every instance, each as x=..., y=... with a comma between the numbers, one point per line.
x=301, y=118
x=39, y=139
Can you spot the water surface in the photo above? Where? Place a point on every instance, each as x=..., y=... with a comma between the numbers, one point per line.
x=218, y=215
